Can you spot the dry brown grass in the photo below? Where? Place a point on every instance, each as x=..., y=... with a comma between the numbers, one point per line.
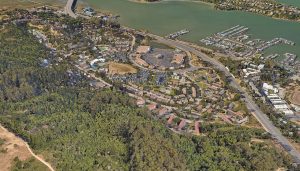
x=295, y=97
x=36, y=26
x=120, y=68
x=55, y=33
x=3, y=17
x=14, y=147
x=13, y=4
x=5, y=4
x=257, y=140
x=195, y=61
x=296, y=145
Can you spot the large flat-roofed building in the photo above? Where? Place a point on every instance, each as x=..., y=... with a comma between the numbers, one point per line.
x=268, y=87
x=273, y=96
x=283, y=106
x=278, y=102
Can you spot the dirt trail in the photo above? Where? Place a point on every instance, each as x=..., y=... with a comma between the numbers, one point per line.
x=22, y=145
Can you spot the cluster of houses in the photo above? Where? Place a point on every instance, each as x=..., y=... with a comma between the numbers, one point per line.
x=142, y=76
x=234, y=117
x=214, y=94
x=268, y=93
x=172, y=121
x=115, y=49
x=178, y=91
x=174, y=97
x=252, y=70
x=181, y=90
x=269, y=8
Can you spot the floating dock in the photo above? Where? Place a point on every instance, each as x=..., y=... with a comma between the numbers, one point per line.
x=177, y=34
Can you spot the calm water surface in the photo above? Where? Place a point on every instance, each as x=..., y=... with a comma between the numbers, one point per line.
x=291, y=2
x=202, y=19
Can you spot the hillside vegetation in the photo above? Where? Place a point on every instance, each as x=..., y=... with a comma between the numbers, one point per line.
x=78, y=128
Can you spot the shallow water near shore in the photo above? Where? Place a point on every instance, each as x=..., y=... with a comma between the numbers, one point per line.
x=202, y=19
x=295, y=3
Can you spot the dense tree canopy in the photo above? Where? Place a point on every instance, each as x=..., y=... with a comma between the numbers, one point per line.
x=78, y=128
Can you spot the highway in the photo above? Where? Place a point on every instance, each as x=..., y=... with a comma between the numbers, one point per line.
x=251, y=105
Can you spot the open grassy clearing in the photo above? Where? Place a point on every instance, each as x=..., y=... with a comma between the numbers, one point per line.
x=121, y=69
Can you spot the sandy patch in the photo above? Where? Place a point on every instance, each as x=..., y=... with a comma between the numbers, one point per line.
x=15, y=147
x=255, y=140
x=120, y=68
x=295, y=97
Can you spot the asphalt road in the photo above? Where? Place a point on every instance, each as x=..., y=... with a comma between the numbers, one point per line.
x=68, y=9
x=251, y=105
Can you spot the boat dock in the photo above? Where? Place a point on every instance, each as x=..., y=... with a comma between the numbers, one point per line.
x=273, y=42
x=290, y=58
x=235, y=42
x=177, y=34
x=228, y=30
x=233, y=31
x=272, y=56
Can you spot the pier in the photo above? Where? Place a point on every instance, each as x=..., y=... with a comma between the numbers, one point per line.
x=228, y=30
x=272, y=56
x=235, y=42
x=233, y=31
x=177, y=34
x=273, y=42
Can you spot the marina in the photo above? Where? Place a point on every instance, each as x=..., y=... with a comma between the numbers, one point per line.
x=273, y=42
x=235, y=42
x=290, y=63
x=170, y=16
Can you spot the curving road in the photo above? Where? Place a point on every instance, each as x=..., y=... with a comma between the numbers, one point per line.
x=251, y=105
x=68, y=8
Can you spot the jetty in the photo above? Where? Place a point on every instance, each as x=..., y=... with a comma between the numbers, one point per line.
x=272, y=56
x=233, y=31
x=177, y=34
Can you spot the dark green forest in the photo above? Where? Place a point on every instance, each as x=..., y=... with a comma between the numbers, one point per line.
x=78, y=128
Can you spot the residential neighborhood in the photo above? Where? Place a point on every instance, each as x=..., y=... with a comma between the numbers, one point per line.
x=126, y=85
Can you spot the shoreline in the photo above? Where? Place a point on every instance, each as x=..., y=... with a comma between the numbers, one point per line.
x=166, y=1
x=211, y=5
x=182, y=46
